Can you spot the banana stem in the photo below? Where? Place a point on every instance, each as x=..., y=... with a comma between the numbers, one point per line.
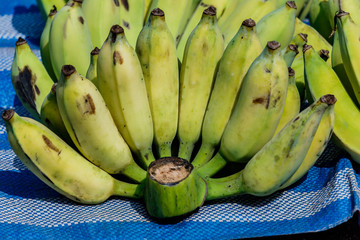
x=185, y=150
x=204, y=155
x=212, y=166
x=123, y=189
x=147, y=157
x=134, y=172
x=165, y=150
x=225, y=187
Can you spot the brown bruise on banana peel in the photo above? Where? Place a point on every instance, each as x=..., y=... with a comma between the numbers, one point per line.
x=125, y=3
x=117, y=3
x=81, y=20
x=89, y=105
x=117, y=58
x=50, y=145
x=26, y=87
x=126, y=24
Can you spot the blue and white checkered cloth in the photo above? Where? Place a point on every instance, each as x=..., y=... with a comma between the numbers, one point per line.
x=327, y=196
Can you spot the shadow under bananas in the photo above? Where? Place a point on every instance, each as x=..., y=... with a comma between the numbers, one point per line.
x=28, y=21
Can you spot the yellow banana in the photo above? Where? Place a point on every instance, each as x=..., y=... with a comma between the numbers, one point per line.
x=202, y=54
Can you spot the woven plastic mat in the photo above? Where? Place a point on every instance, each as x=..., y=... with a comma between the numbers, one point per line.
x=327, y=196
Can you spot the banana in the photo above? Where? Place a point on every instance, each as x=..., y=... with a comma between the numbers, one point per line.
x=314, y=38
x=59, y=166
x=318, y=16
x=176, y=17
x=121, y=83
x=290, y=53
x=321, y=79
x=292, y=102
x=235, y=62
x=69, y=39
x=304, y=13
x=46, y=5
x=254, y=9
x=348, y=32
x=51, y=118
x=29, y=78
x=352, y=7
x=82, y=107
x=300, y=4
x=219, y=5
x=44, y=44
x=91, y=73
x=278, y=25
x=278, y=160
x=173, y=188
x=157, y=54
x=202, y=54
x=147, y=4
x=132, y=18
x=100, y=16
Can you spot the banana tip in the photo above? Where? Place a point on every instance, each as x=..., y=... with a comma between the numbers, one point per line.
x=294, y=48
x=53, y=88
x=249, y=23
x=291, y=71
x=324, y=54
x=67, y=70
x=273, y=45
x=329, y=99
x=291, y=4
x=157, y=12
x=210, y=11
x=303, y=36
x=7, y=114
x=20, y=41
x=306, y=47
x=95, y=51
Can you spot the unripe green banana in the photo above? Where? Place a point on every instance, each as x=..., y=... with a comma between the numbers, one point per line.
x=292, y=102
x=177, y=14
x=254, y=9
x=318, y=16
x=59, y=166
x=51, y=118
x=202, y=54
x=91, y=73
x=278, y=160
x=157, y=54
x=219, y=5
x=90, y=125
x=258, y=107
x=234, y=64
x=100, y=17
x=321, y=79
x=44, y=44
x=46, y=5
x=278, y=25
x=121, y=83
x=30, y=79
x=348, y=33
x=69, y=39
x=132, y=18
x=173, y=188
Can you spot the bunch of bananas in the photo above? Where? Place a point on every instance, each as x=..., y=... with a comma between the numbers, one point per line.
x=182, y=102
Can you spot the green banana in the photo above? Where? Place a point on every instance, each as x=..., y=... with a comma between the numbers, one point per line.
x=59, y=166
x=318, y=16
x=91, y=73
x=173, y=188
x=82, y=107
x=51, y=118
x=278, y=160
x=44, y=44
x=157, y=54
x=177, y=14
x=321, y=139
x=352, y=7
x=46, y=5
x=29, y=78
x=321, y=79
x=69, y=39
x=292, y=102
x=258, y=107
x=278, y=25
x=132, y=18
x=219, y=5
x=100, y=17
x=348, y=33
x=121, y=83
x=202, y=54
x=254, y=9
x=234, y=64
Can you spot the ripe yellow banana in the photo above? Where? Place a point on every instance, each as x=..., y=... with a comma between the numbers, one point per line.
x=234, y=64
x=30, y=79
x=278, y=160
x=278, y=25
x=121, y=83
x=69, y=39
x=44, y=44
x=321, y=79
x=100, y=17
x=202, y=54
x=91, y=73
x=59, y=166
x=157, y=54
